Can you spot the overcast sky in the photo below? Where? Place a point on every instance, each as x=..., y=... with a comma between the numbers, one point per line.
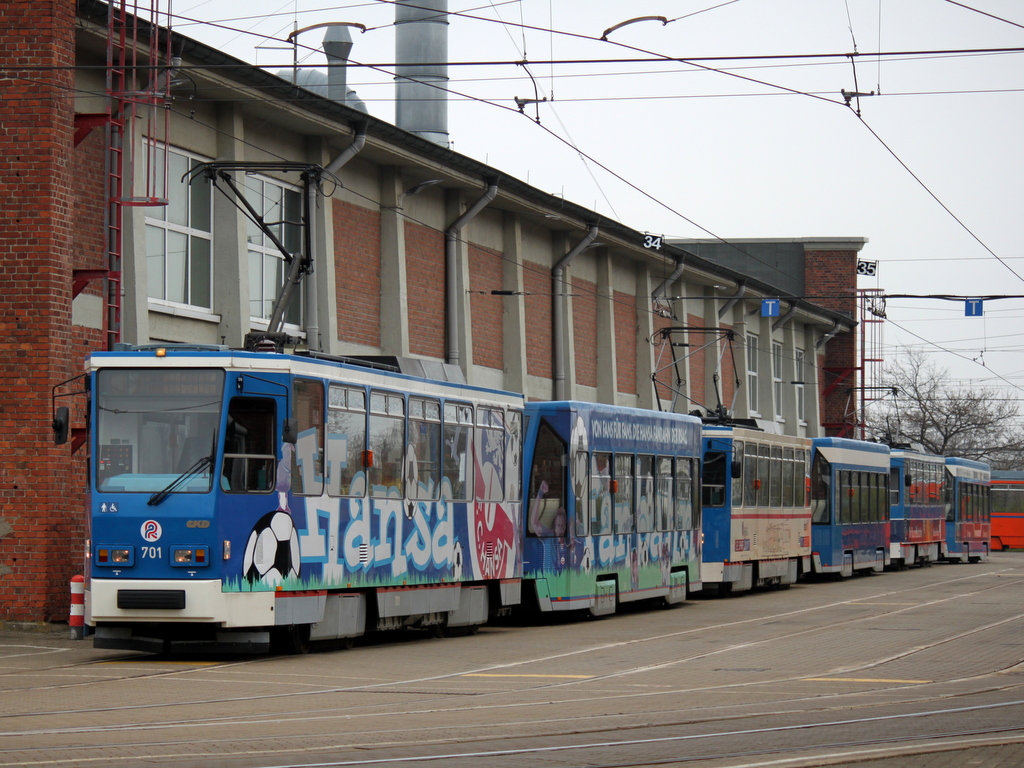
x=930, y=172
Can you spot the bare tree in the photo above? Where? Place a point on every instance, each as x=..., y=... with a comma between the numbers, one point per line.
x=929, y=410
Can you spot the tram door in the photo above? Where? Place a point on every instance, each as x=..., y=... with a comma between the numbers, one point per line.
x=548, y=552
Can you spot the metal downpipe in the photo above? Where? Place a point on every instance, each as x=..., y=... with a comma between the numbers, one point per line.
x=558, y=310
x=451, y=238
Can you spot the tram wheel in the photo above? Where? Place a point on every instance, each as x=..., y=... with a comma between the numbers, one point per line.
x=440, y=629
x=292, y=640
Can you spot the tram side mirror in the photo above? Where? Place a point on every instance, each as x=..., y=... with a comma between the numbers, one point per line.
x=60, y=425
x=290, y=432
x=737, y=468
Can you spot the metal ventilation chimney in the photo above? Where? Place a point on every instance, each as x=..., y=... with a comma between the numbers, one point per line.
x=421, y=80
x=338, y=46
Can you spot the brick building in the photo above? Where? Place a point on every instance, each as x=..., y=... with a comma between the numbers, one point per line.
x=533, y=294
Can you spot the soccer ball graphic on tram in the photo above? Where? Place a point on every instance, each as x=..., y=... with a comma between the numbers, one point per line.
x=272, y=551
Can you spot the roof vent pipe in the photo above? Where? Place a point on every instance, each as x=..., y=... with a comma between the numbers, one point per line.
x=421, y=74
x=451, y=237
x=337, y=46
x=558, y=310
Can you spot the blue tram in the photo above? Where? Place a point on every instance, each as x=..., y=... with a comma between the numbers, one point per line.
x=242, y=498
x=968, y=514
x=612, y=511
x=917, y=527
x=849, y=506
x=756, y=512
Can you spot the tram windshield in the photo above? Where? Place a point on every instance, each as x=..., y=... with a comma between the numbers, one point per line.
x=154, y=425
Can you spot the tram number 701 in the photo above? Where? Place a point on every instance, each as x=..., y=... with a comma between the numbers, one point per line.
x=154, y=553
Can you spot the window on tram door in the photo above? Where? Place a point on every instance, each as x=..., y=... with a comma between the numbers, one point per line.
x=514, y=456
x=644, y=494
x=385, y=463
x=457, y=451
x=548, y=516
x=687, y=509
x=715, y=475
x=424, y=461
x=490, y=454
x=735, y=471
x=622, y=519
x=883, y=495
x=346, y=441
x=764, y=472
x=250, y=450
x=821, y=490
x=775, y=491
x=663, y=501
x=308, y=456
x=601, y=497
x=580, y=481
x=750, y=481
x=894, y=487
x=948, y=499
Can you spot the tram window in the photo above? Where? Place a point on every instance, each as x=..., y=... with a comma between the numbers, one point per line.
x=883, y=496
x=764, y=461
x=307, y=473
x=949, y=499
x=490, y=454
x=580, y=481
x=458, y=450
x=821, y=490
x=737, y=478
x=750, y=482
x=387, y=444
x=249, y=446
x=874, y=508
x=715, y=474
x=547, y=485
x=424, y=462
x=600, y=493
x=514, y=455
x=788, y=471
x=622, y=520
x=894, y=487
x=775, y=468
x=685, y=504
x=644, y=494
x=663, y=495
x=843, y=517
x=346, y=440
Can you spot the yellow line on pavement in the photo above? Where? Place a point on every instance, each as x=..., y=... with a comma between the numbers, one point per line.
x=859, y=680
x=573, y=677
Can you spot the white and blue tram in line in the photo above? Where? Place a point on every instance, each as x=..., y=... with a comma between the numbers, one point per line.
x=242, y=501
x=849, y=506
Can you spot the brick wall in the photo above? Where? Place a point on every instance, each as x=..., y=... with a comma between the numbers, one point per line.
x=485, y=273
x=625, y=342
x=537, y=283
x=357, y=273
x=424, y=268
x=584, y=330
x=41, y=525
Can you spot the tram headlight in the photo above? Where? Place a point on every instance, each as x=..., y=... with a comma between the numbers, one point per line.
x=114, y=556
x=190, y=557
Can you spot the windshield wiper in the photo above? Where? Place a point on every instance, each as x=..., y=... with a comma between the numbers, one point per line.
x=195, y=469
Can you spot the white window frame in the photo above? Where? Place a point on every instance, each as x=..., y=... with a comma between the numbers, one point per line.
x=262, y=253
x=798, y=384
x=777, y=378
x=752, y=353
x=181, y=220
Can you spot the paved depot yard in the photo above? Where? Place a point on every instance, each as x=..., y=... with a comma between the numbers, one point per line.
x=923, y=667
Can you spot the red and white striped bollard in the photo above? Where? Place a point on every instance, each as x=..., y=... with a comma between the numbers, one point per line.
x=76, y=620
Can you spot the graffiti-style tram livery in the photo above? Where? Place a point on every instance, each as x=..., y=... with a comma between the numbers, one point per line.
x=242, y=498
x=756, y=511
x=612, y=505
x=968, y=515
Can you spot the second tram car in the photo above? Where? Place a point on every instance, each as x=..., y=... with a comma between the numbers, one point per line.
x=756, y=511
x=849, y=502
x=612, y=505
x=917, y=515
x=243, y=498
x=968, y=523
